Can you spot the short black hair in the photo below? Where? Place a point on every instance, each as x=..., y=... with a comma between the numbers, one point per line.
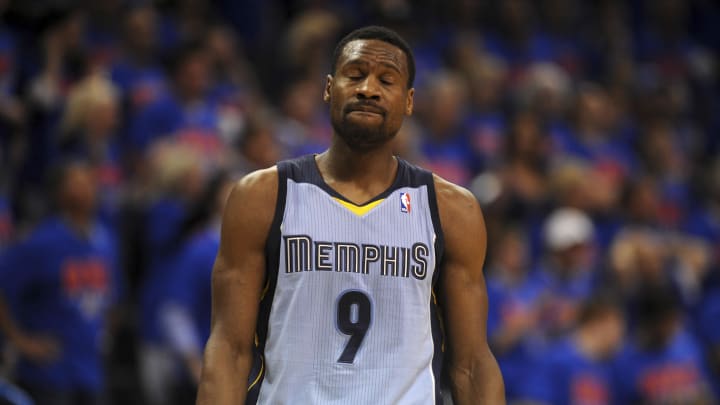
x=381, y=34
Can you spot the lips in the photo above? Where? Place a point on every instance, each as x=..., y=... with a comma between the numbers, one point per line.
x=366, y=107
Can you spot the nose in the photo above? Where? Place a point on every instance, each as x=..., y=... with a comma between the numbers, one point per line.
x=368, y=89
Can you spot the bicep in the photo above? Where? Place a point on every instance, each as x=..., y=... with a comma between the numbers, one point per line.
x=236, y=287
x=463, y=289
x=465, y=301
x=239, y=268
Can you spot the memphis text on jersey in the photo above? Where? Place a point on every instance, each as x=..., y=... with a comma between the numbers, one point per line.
x=304, y=254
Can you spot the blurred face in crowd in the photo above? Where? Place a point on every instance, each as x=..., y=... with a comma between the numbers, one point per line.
x=610, y=329
x=448, y=96
x=511, y=255
x=78, y=189
x=140, y=26
x=67, y=35
x=572, y=259
x=301, y=101
x=193, y=76
x=260, y=147
x=102, y=118
x=368, y=94
x=527, y=138
x=643, y=202
x=595, y=114
x=222, y=44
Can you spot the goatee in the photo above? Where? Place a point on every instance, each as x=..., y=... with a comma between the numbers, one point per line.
x=361, y=137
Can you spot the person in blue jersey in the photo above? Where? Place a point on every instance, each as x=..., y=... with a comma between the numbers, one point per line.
x=186, y=305
x=664, y=364
x=577, y=370
x=568, y=274
x=186, y=114
x=354, y=319
x=513, y=317
x=56, y=288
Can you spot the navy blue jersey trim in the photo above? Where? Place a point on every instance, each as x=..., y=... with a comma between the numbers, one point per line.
x=437, y=226
x=304, y=170
x=272, y=258
x=436, y=320
x=438, y=335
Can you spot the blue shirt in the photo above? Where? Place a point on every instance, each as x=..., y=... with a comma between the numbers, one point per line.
x=566, y=376
x=60, y=284
x=197, y=125
x=505, y=301
x=191, y=284
x=163, y=222
x=673, y=374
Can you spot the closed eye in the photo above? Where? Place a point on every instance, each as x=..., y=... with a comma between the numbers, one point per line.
x=387, y=79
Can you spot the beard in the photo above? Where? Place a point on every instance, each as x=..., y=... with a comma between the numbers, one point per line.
x=361, y=136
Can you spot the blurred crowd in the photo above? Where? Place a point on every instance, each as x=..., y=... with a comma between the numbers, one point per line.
x=588, y=131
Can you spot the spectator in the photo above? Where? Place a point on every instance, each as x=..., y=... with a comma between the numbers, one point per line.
x=58, y=60
x=136, y=70
x=177, y=182
x=513, y=318
x=185, y=311
x=187, y=114
x=303, y=127
x=486, y=78
x=596, y=136
x=88, y=131
x=567, y=275
x=258, y=146
x=57, y=288
x=663, y=363
x=577, y=370
x=525, y=168
x=445, y=145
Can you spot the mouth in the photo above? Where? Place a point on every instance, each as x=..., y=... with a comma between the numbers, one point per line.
x=366, y=109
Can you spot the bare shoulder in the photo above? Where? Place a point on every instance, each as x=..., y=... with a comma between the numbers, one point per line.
x=255, y=188
x=251, y=205
x=457, y=206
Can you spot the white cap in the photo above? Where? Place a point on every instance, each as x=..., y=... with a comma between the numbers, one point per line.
x=567, y=227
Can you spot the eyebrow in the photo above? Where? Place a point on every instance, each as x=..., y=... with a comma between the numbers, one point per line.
x=388, y=65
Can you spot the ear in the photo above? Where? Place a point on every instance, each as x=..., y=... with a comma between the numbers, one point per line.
x=328, y=86
x=409, y=103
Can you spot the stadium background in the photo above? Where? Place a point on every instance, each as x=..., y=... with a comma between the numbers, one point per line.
x=588, y=130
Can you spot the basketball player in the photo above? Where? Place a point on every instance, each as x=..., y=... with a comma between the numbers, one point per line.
x=332, y=268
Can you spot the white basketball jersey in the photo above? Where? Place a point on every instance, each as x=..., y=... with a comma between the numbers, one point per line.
x=348, y=315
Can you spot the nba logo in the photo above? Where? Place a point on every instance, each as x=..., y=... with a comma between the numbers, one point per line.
x=404, y=202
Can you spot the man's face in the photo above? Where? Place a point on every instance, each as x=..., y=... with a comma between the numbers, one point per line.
x=368, y=95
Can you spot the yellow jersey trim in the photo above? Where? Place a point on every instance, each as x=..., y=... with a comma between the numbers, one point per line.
x=260, y=374
x=359, y=210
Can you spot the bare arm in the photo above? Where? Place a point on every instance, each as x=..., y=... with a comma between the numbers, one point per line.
x=474, y=374
x=238, y=277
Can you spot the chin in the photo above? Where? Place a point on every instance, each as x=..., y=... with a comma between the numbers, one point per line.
x=360, y=137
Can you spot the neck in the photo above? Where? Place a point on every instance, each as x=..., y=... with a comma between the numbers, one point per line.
x=358, y=175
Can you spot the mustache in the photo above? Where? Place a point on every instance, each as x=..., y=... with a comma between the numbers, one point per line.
x=367, y=106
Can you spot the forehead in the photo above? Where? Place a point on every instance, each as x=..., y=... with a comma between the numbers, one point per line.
x=373, y=51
